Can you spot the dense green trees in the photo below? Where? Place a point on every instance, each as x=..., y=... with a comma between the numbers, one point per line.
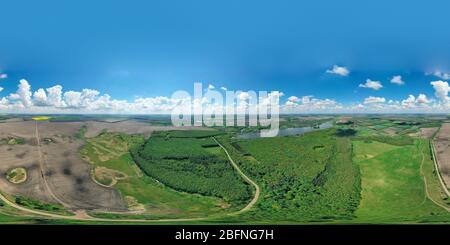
x=309, y=177
x=187, y=164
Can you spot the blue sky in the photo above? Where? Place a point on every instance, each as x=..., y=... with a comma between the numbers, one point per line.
x=134, y=49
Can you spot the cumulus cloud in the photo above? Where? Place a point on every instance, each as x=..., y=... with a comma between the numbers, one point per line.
x=210, y=87
x=223, y=88
x=338, y=70
x=40, y=97
x=56, y=100
x=397, y=80
x=244, y=96
x=308, y=103
x=1, y=89
x=294, y=99
x=375, y=85
x=23, y=95
x=441, y=90
x=372, y=100
x=3, y=75
x=422, y=99
x=439, y=74
x=413, y=102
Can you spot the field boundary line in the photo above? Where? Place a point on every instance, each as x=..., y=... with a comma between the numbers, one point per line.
x=427, y=194
x=436, y=164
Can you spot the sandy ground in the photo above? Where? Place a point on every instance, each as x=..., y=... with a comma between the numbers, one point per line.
x=442, y=144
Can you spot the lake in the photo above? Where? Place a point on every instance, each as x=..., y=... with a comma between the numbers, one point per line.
x=288, y=131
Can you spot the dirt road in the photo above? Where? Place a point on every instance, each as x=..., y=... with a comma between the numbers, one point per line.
x=42, y=160
x=436, y=166
x=426, y=185
x=81, y=215
x=245, y=177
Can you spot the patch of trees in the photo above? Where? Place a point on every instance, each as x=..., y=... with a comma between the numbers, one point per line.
x=345, y=132
x=185, y=165
x=299, y=182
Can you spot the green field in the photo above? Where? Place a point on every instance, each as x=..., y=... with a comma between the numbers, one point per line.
x=367, y=170
x=392, y=186
x=140, y=191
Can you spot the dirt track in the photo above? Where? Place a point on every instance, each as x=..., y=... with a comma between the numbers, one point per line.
x=246, y=178
x=80, y=214
x=441, y=148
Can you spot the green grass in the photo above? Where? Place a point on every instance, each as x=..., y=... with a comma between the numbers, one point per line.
x=81, y=132
x=12, y=141
x=392, y=186
x=35, y=204
x=158, y=200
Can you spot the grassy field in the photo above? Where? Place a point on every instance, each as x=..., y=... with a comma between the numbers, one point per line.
x=393, y=189
x=302, y=178
x=141, y=192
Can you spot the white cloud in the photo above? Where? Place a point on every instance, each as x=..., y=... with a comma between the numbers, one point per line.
x=441, y=90
x=372, y=100
x=40, y=97
x=56, y=100
x=210, y=87
x=244, y=96
x=439, y=74
x=1, y=89
x=338, y=70
x=422, y=99
x=397, y=80
x=294, y=99
x=54, y=97
x=375, y=85
x=23, y=95
x=3, y=75
x=223, y=88
x=413, y=102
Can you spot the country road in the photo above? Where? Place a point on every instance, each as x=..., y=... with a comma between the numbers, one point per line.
x=436, y=166
x=246, y=178
x=81, y=215
x=426, y=185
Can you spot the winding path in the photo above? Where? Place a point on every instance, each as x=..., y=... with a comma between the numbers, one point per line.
x=81, y=215
x=245, y=177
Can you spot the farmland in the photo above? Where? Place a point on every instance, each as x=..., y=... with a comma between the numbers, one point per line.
x=393, y=188
x=144, y=196
x=363, y=169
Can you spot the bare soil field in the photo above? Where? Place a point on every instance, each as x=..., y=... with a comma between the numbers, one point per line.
x=49, y=152
x=442, y=144
x=427, y=132
x=54, y=165
x=94, y=128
